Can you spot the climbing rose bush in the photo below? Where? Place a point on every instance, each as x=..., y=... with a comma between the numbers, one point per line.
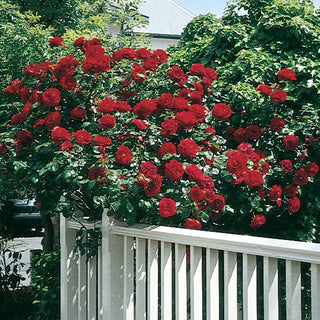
x=153, y=143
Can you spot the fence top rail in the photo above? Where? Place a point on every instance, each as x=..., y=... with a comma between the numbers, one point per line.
x=259, y=246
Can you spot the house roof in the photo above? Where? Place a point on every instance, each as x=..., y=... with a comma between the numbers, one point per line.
x=166, y=18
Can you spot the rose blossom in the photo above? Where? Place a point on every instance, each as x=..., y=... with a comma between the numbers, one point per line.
x=254, y=178
x=167, y=207
x=194, y=172
x=176, y=74
x=278, y=96
x=148, y=169
x=106, y=105
x=277, y=124
x=196, y=194
x=287, y=74
x=52, y=119
x=153, y=187
x=312, y=169
x=300, y=177
x=174, y=170
x=258, y=221
x=166, y=148
x=51, y=97
x=264, y=89
x=140, y=124
x=186, y=119
x=56, y=42
x=82, y=137
x=123, y=155
x=275, y=192
x=144, y=108
x=218, y=202
x=193, y=224
x=286, y=165
x=293, y=204
x=188, y=148
x=78, y=113
x=205, y=183
x=107, y=122
x=221, y=111
x=59, y=135
x=291, y=190
x=101, y=141
x=169, y=127
x=291, y=142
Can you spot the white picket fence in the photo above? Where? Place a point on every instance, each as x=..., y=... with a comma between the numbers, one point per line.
x=154, y=272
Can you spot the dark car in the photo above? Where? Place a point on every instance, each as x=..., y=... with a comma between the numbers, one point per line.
x=26, y=218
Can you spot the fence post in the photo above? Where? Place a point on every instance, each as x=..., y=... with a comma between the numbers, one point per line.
x=112, y=272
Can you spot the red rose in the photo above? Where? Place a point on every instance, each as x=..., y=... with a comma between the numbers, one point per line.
x=51, y=97
x=102, y=141
x=52, y=119
x=253, y=132
x=237, y=163
x=81, y=43
x=221, y=111
x=179, y=104
x=291, y=142
x=196, y=194
x=293, y=204
x=312, y=169
x=300, y=177
x=56, y=42
x=240, y=135
x=125, y=53
x=287, y=74
x=205, y=183
x=14, y=87
x=160, y=55
x=186, y=119
x=258, y=221
x=188, y=148
x=211, y=74
x=151, y=64
x=107, y=122
x=169, y=127
x=142, y=54
x=194, y=172
x=218, y=202
x=154, y=186
x=193, y=224
x=166, y=148
x=140, y=124
x=149, y=169
x=174, y=170
x=59, y=135
x=264, y=89
x=138, y=74
x=275, y=192
x=176, y=74
x=199, y=111
x=254, y=178
x=167, y=207
x=277, y=124
x=66, y=146
x=291, y=191
x=78, y=113
x=122, y=106
x=82, y=137
x=123, y=155
x=144, y=108
x=278, y=96
x=286, y=165
x=98, y=175
x=32, y=70
x=24, y=139
x=68, y=83
x=198, y=69
x=106, y=106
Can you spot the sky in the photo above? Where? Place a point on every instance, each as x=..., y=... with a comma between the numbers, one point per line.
x=214, y=6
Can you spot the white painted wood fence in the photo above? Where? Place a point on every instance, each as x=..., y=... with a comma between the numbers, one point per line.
x=149, y=272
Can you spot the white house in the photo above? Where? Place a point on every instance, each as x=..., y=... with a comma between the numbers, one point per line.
x=166, y=20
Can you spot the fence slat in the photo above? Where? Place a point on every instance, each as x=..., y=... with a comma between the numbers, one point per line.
x=315, y=291
x=92, y=288
x=293, y=290
x=128, y=277
x=249, y=287
x=82, y=286
x=166, y=281
x=270, y=288
x=181, y=282
x=230, y=286
x=152, y=280
x=212, y=282
x=196, y=283
x=141, y=310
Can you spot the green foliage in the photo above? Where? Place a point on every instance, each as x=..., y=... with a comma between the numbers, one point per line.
x=46, y=286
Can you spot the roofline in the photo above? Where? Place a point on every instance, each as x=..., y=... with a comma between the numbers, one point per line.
x=182, y=8
x=160, y=35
